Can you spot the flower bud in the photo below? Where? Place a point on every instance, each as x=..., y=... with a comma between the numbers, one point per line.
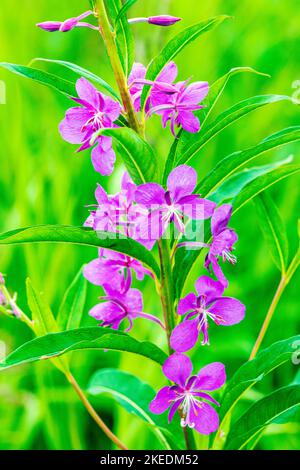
x=163, y=20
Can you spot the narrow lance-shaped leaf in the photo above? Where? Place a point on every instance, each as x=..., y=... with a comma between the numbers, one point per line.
x=273, y=229
x=56, y=344
x=229, y=165
x=42, y=316
x=72, y=307
x=134, y=396
x=81, y=236
x=127, y=5
x=186, y=139
x=174, y=47
x=53, y=81
x=227, y=118
x=231, y=188
x=80, y=71
x=261, y=414
x=262, y=183
x=252, y=372
x=136, y=153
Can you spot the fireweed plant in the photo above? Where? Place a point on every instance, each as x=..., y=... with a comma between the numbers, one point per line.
x=163, y=217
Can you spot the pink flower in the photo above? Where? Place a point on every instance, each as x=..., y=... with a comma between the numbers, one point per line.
x=176, y=103
x=97, y=111
x=189, y=395
x=118, y=307
x=161, y=20
x=223, y=242
x=207, y=305
x=172, y=205
x=67, y=25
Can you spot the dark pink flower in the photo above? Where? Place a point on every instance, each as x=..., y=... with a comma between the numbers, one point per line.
x=137, y=81
x=189, y=396
x=173, y=204
x=207, y=305
x=223, y=242
x=116, y=267
x=96, y=112
x=117, y=307
x=177, y=103
x=67, y=25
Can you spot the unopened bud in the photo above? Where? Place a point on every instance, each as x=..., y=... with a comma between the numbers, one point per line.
x=163, y=20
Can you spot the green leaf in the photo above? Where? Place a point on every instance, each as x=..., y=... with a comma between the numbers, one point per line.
x=273, y=230
x=252, y=372
x=261, y=414
x=124, y=36
x=133, y=395
x=82, y=73
x=174, y=47
x=72, y=307
x=224, y=120
x=230, y=189
x=262, y=183
x=127, y=5
x=81, y=236
x=186, y=139
x=42, y=316
x=45, y=78
x=137, y=154
x=229, y=165
x=56, y=344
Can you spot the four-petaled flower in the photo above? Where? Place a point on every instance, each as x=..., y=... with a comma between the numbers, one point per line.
x=137, y=80
x=189, y=395
x=172, y=205
x=222, y=243
x=119, y=306
x=176, y=103
x=207, y=305
x=115, y=267
x=97, y=111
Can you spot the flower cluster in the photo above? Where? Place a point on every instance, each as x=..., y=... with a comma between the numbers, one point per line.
x=145, y=213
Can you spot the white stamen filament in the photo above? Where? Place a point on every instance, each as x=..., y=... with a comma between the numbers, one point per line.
x=227, y=255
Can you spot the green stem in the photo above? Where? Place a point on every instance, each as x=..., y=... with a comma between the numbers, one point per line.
x=166, y=288
x=109, y=39
x=285, y=279
x=93, y=413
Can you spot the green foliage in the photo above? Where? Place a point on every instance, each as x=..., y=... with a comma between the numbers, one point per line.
x=72, y=307
x=127, y=5
x=134, y=396
x=81, y=236
x=54, y=345
x=261, y=414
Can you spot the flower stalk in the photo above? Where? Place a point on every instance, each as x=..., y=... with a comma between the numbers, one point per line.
x=109, y=39
x=166, y=288
x=284, y=281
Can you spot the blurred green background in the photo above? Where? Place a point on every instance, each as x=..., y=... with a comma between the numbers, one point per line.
x=42, y=181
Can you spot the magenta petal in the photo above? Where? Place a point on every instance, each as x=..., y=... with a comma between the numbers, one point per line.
x=178, y=368
x=182, y=182
x=96, y=272
x=187, y=304
x=103, y=160
x=231, y=311
x=185, y=336
x=197, y=208
x=87, y=92
x=174, y=408
x=211, y=377
x=162, y=400
x=150, y=194
x=188, y=121
x=221, y=218
x=209, y=287
x=71, y=127
x=217, y=270
x=205, y=418
x=133, y=300
x=107, y=312
x=169, y=73
x=195, y=93
x=50, y=26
